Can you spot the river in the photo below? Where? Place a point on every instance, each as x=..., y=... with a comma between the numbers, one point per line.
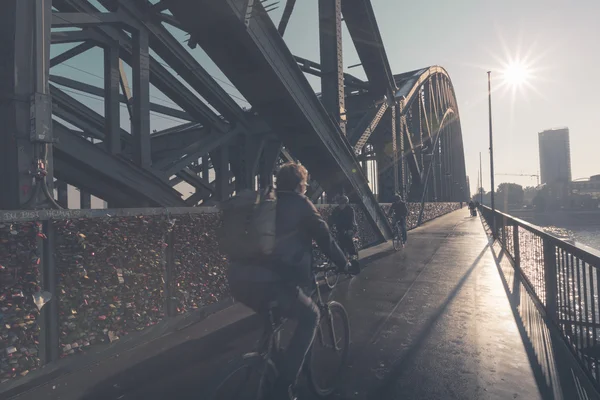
x=582, y=227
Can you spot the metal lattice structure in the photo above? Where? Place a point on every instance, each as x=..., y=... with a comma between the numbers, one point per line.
x=405, y=126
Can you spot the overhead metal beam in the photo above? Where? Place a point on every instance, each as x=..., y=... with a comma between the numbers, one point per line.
x=75, y=36
x=285, y=17
x=67, y=19
x=332, y=67
x=162, y=79
x=186, y=66
x=112, y=171
x=367, y=125
x=78, y=114
x=196, y=150
x=362, y=26
x=289, y=105
x=68, y=54
x=313, y=68
x=96, y=91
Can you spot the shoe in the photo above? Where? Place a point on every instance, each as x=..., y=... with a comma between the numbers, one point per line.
x=283, y=391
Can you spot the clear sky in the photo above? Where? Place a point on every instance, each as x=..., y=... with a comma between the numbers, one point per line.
x=558, y=39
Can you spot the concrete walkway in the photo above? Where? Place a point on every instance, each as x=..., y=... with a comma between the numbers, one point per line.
x=432, y=321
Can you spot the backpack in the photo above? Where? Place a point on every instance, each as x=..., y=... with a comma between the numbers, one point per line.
x=247, y=230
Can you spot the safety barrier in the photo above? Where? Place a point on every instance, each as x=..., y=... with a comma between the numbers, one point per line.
x=562, y=277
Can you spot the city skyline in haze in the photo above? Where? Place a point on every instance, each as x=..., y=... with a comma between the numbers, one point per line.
x=468, y=38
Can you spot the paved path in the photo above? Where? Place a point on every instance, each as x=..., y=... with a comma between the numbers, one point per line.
x=430, y=322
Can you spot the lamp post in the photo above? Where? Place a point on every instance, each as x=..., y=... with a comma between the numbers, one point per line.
x=491, y=151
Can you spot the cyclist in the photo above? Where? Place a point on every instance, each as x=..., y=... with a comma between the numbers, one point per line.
x=399, y=212
x=344, y=220
x=279, y=278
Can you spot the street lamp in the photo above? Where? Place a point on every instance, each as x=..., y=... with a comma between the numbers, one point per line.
x=491, y=139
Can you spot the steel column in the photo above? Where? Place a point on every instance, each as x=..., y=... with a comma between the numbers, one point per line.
x=25, y=109
x=63, y=193
x=85, y=200
x=332, y=68
x=140, y=123
x=112, y=109
x=49, y=332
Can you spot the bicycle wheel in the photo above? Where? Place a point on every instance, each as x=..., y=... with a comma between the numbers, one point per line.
x=251, y=378
x=396, y=241
x=329, y=352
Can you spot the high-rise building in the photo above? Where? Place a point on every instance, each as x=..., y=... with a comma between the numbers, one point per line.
x=555, y=156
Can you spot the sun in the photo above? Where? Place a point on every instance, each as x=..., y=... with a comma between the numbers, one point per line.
x=516, y=74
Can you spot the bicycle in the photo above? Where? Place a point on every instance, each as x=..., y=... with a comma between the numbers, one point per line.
x=333, y=276
x=263, y=360
x=397, y=241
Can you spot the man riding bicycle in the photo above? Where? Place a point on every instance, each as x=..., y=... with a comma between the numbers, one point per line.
x=399, y=212
x=344, y=220
x=281, y=276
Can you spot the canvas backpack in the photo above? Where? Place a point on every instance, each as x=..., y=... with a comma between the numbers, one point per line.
x=248, y=222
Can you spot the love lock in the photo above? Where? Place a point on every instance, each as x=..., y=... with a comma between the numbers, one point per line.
x=41, y=298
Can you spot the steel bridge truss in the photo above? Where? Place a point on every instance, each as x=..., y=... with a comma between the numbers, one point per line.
x=406, y=126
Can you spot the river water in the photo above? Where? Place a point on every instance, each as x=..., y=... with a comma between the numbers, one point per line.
x=588, y=235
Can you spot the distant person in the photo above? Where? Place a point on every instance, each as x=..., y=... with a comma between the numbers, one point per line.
x=472, y=208
x=344, y=221
x=399, y=213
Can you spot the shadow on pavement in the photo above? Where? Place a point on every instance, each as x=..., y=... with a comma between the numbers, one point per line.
x=198, y=354
x=383, y=391
x=550, y=361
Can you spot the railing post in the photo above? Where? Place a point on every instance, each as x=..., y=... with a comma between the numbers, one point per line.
x=169, y=262
x=49, y=344
x=551, y=281
x=516, y=246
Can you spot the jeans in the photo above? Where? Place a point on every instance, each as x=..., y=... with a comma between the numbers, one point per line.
x=401, y=223
x=293, y=304
x=346, y=243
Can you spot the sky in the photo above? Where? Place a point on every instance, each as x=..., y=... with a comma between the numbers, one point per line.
x=557, y=40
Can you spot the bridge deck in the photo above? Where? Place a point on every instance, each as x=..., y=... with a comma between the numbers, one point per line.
x=431, y=322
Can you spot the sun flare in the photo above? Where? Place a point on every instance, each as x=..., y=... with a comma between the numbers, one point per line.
x=516, y=74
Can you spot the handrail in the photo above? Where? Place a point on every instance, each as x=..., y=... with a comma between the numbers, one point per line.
x=568, y=244
x=563, y=277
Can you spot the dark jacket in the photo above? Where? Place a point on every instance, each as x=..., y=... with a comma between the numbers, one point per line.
x=298, y=224
x=343, y=219
x=399, y=209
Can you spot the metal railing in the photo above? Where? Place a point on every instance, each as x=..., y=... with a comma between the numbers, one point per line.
x=563, y=278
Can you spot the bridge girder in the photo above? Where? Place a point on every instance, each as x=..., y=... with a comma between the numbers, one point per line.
x=219, y=147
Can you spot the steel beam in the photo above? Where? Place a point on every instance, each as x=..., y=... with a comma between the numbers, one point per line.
x=182, y=62
x=25, y=108
x=75, y=36
x=112, y=109
x=196, y=150
x=362, y=26
x=76, y=113
x=162, y=79
x=113, y=172
x=80, y=20
x=313, y=68
x=68, y=54
x=254, y=57
x=63, y=193
x=268, y=162
x=366, y=126
x=96, y=91
x=140, y=123
x=332, y=67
